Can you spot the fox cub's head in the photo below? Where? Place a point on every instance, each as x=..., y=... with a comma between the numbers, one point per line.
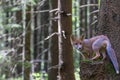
x=77, y=42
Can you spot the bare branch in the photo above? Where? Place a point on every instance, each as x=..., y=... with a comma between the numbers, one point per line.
x=95, y=11
x=55, y=33
x=53, y=67
x=88, y=5
x=53, y=10
x=42, y=11
x=94, y=22
x=59, y=41
x=51, y=35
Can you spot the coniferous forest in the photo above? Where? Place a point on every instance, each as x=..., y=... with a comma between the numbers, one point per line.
x=36, y=40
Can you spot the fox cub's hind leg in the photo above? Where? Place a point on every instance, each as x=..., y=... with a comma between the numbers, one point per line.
x=96, y=46
x=97, y=54
x=103, y=55
x=103, y=52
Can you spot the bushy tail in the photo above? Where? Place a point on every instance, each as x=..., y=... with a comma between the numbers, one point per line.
x=112, y=57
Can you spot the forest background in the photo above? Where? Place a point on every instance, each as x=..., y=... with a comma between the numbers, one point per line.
x=35, y=38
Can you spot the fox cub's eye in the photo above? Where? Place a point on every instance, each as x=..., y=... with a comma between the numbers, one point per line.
x=76, y=43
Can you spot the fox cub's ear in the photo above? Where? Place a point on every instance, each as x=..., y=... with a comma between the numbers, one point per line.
x=82, y=37
x=72, y=38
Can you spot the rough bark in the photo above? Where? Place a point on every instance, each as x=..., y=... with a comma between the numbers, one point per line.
x=67, y=69
x=109, y=24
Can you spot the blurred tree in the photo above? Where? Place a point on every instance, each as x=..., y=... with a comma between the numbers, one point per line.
x=53, y=60
x=44, y=23
x=83, y=18
x=27, y=46
x=19, y=48
x=41, y=32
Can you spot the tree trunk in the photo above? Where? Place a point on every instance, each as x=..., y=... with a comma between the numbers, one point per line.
x=67, y=69
x=53, y=61
x=83, y=18
x=109, y=24
x=27, y=47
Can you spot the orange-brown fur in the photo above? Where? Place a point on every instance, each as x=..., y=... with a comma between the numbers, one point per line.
x=87, y=45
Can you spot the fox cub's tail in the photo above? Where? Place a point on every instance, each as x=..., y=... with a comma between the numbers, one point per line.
x=112, y=57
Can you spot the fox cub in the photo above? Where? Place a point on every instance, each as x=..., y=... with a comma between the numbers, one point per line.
x=98, y=44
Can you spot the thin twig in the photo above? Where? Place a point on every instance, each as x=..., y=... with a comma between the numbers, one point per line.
x=51, y=35
x=53, y=10
x=82, y=6
x=42, y=11
x=82, y=55
x=95, y=11
x=48, y=37
x=53, y=67
x=59, y=41
x=94, y=22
